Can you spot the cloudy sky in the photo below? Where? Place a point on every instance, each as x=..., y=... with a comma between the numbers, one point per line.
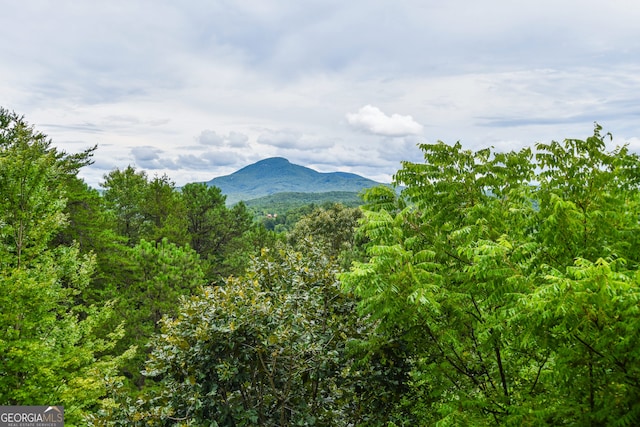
x=199, y=88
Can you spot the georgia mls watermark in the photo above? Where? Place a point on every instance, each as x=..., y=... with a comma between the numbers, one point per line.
x=31, y=416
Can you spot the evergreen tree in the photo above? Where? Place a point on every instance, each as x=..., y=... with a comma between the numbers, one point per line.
x=217, y=233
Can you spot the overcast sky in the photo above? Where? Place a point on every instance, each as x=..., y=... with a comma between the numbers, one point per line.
x=199, y=88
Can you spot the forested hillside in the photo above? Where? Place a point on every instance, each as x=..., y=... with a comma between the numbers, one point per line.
x=497, y=288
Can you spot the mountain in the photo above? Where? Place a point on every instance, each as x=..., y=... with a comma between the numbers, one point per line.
x=278, y=175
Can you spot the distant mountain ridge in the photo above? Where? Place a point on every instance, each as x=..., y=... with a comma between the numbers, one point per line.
x=278, y=175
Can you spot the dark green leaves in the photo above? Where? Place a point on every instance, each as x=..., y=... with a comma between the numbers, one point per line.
x=263, y=349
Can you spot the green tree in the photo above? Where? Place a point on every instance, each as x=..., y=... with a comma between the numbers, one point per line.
x=124, y=192
x=585, y=306
x=332, y=227
x=164, y=212
x=47, y=353
x=162, y=273
x=31, y=168
x=143, y=208
x=264, y=349
x=511, y=280
x=217, y=233
x=203, y=206
x=91, y=227
x=87, y=223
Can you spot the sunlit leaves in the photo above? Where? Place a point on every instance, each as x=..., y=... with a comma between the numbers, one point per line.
x=511, y=264
x=51, y=347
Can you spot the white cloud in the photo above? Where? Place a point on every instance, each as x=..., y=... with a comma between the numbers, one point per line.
x=210, y=160
x=210, y=137
x=370, y=119
x=237, y=139
x=152, y=158
x=288, y=139
x=280, y=138
x=145, y=154
x=632, y=143
x=233, y=139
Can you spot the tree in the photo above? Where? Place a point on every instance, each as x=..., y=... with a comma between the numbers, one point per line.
x=90, y=226
x=124, y=192
x=506, y=276
x=143, y=208
x=332, y=227
x=87, y=222
x=203, y=205
x=47, y=353
x=585, y=306
x=164, y=212
x=163, y=273
x=264, y=349
x=31, y=168
x=217, y=233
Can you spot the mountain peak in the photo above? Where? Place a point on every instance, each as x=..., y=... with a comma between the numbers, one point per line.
x=273, y=161
x=278, y=175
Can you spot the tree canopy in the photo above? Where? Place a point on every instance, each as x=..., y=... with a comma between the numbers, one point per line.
x=52, y=349
x=513, y=279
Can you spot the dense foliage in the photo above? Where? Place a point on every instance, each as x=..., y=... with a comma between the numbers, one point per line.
x=52, y=349
x=494, y=289
x=513, y=279
x=264, y=349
